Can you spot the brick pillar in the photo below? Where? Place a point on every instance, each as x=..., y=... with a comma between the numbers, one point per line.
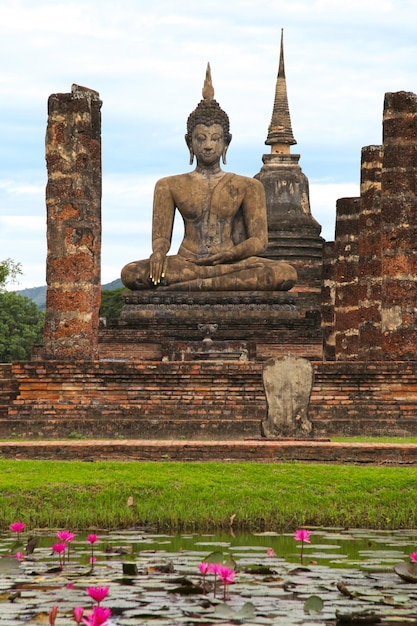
x=73, y=202
x=370, y=276
x=328, y=292
x=399, y=227
x=346, y=279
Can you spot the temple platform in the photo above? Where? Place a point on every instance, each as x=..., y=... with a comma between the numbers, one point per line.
x=170, y=325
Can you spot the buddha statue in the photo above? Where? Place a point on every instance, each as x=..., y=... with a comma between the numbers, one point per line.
x=224, y=215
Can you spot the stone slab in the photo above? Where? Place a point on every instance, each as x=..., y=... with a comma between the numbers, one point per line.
x=250, y=450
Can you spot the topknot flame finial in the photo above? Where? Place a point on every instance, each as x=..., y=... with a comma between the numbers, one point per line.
x=208, y=89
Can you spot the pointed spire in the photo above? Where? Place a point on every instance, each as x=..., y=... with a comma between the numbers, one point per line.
x=280, y=136
x=208, y=89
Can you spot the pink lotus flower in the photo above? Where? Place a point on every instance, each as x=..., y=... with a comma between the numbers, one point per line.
x=270, y=552
x=65, y=535
x=413, y=557
x=98, y=617
x=302, y=535
x=92, y=539
x=227, y=574
x=17, y=527
x=203, y=567
x=59, y=547
x=78, y=614
x=98, y=593
x=20, y=556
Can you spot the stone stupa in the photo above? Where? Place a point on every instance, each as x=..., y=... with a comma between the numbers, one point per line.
x=293, y=233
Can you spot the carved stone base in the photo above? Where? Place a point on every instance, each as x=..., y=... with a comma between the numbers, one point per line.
x=167, y=325
x=208, y=306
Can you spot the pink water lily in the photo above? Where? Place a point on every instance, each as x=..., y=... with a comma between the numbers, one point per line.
x=17, y=527
x=78, y=614
x=203, y=567
x=60, y=548
x=20, y=556
x=98, y=593
x=413, y=557
x=227, y=574
x=98, y=617
x=303, y=536
x=92, y=540
x=270, y=552
x=65, y=535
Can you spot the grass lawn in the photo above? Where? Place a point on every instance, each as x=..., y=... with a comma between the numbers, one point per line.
x=203, y=496
x=375, y=439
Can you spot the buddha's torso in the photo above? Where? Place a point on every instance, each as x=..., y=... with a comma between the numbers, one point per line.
x=208, y=206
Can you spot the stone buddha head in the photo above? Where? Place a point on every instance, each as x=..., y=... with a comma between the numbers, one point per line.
x=208, y=113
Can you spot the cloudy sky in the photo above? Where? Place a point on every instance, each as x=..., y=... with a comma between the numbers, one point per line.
x=147, y=60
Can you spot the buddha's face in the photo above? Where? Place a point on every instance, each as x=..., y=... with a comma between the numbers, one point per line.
x=208, y=144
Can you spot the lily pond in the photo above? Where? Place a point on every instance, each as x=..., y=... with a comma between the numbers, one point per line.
x=340, y=577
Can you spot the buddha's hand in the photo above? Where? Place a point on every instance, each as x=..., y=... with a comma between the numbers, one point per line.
x=157, y=266
x=226, y=256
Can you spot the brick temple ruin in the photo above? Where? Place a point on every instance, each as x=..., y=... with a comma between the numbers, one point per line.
x=150, y=375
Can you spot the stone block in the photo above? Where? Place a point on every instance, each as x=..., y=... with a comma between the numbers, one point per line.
x=288, y=382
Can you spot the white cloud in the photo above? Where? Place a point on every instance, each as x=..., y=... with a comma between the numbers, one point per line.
x=148, y=61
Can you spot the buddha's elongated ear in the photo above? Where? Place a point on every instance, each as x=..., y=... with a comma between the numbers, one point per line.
x=226, y=145
x=190, y=148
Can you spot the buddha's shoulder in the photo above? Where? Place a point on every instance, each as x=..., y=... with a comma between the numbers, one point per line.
x=191, y=178
x=173, y=181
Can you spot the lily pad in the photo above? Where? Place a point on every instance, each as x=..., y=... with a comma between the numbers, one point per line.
x=246, y=612
x=313, y=604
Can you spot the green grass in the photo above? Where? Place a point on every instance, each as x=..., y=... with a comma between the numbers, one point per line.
x=375, y=439
x=203, y=496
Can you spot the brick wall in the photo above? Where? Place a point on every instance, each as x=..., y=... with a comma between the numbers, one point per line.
x=346, y=279
x=8, y=388
x=399, y=227
x=328, y=295
x=200, y=400
x=370, y=269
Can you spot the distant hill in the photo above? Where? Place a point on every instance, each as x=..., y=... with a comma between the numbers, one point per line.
x=38, y=294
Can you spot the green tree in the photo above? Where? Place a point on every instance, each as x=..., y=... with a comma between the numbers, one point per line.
x=112, y=302
x=9, y=271
x=21, y=327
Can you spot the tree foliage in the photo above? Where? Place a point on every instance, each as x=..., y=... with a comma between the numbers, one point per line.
x=9, y=271
x=111, y=302
x=21, y=327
